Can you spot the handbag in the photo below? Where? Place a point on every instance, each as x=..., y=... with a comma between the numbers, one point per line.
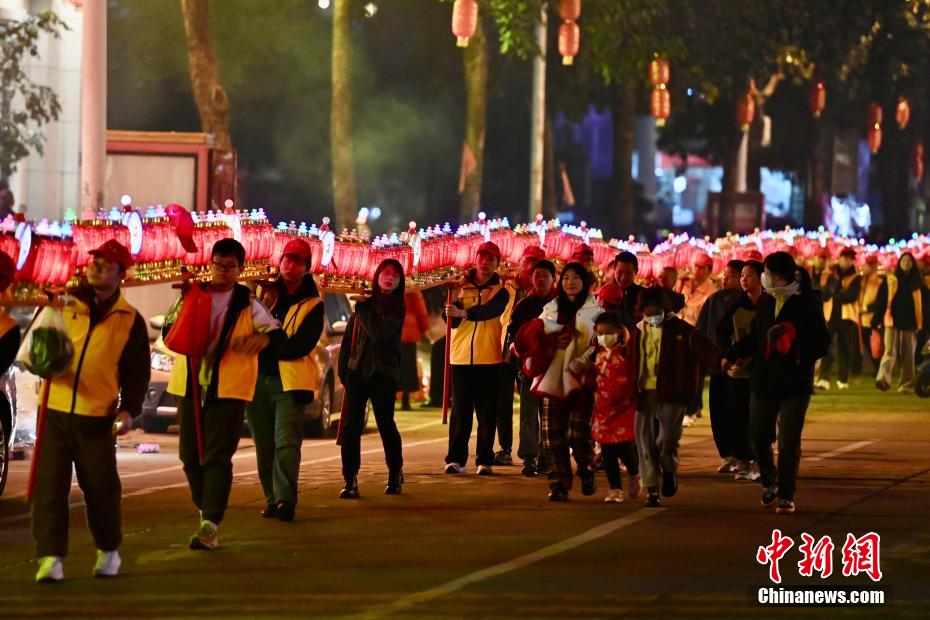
x=190, y=333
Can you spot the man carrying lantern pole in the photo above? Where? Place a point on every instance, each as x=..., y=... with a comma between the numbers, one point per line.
x=475, y=357
x=98, y=395
x=240, y=327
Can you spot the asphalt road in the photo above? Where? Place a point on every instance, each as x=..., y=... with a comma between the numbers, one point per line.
x=493, y=547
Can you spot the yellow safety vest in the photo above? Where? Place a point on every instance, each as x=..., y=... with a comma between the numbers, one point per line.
x=303, y=373
x=91, y=385
x=477, y=342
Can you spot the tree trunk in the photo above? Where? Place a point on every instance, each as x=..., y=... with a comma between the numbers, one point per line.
x=550, y=193
x=343, y=164
x=623, y=113
x=476, y=92
x=816, y=177
x=209, y=94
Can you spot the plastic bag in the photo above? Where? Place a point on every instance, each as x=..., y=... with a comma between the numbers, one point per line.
x=190, y=332
x=47, y=349
x=876, y=344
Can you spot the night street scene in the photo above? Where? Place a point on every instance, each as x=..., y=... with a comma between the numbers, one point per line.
x=464, y=309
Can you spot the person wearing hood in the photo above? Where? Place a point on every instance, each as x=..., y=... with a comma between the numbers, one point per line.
x=287, y=376
x=667, y=356
x=903, y=318
x=787, y=337
x=840, y=288
x=475, y=359
x=567, y=404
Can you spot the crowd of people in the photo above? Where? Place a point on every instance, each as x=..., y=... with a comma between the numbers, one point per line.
x=608, y=369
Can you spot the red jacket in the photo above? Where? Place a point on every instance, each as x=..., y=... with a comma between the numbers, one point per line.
x=416, y=322
x=616, y=396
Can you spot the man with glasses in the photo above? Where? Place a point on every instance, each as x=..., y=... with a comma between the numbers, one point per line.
x=240, y=327
x=97, y=396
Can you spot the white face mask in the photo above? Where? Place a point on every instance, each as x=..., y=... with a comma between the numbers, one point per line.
x=654, y=321
x=607, y=340
x=767, y=283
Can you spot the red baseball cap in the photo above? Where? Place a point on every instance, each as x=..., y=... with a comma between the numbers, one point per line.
x=491, y=248
x=298, y=248
x=703, y=260
x=533, y=251
x=584, y=248
x=115, y=252
x=611, y=294
x=7, y=271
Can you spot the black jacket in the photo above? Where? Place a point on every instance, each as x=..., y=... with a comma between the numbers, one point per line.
x=279, y=302
x=784, y=376
x=374, y=346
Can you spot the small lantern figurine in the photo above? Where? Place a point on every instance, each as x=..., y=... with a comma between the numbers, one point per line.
x=658, y=72
x=569, y=32
x=818, y=99
x=464, y=21
x=902, y=113
x=660, y=103
x=874, y=133
x=745, y=111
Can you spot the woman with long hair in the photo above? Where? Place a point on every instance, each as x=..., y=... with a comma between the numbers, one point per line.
x=903, y=319
x=787, y=337
x=567, y=406
x=369, y=367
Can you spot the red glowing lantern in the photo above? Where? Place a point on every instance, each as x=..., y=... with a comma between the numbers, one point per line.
x=818, y=99
x=902, y=113
x=875, y=114
x=659, y=72
x=569, y=41
x=464, y=21
x=745, y=111
x=660, y=105
x=570, y=10
x=919, y=162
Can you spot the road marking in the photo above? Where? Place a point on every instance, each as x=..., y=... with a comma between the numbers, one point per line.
x=254, y=472
x=839, y=451
x=558, y=548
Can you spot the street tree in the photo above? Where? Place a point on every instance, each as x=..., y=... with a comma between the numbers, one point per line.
x=209, y=94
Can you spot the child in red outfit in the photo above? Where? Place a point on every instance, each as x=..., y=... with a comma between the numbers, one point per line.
x=615, y=405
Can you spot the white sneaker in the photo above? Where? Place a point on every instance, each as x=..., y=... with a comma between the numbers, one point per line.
x=822, y=384
x=743, y=470
x=614, y=495
x=51, y=570
x=455, y=468
x=108, y=563
x=754, y=473
x=635, y=484
x=687, y=421
x=485, y=470
x=727, y=466
x=840, y=385
x=205, y=538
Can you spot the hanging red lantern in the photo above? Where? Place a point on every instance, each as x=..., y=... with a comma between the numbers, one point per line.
x=902, y=113
x=818, y=99
x=875, y=114
x=464, y=20
x=919, y=162
x=660, y=105
x=745, y=111
x=570, y=10
x=569, y=40
x=658, y=71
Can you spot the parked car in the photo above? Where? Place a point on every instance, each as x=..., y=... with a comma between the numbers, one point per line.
x=160, y=410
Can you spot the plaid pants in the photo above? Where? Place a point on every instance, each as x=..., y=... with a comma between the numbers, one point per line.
x=566, y=424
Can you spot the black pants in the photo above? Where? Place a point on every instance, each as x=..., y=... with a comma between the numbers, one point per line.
x=508, y=379
x=729, y=416
x=845, y=342
x=613, y=454
x=474, y=391
x=88, y=443
x=437, y=366
x=788, y=414
x=211, y=480
x=380, y=390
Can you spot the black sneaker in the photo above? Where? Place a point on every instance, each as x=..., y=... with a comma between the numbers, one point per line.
x=785, y=507
x=669, y=484
x=394, y=483
x=350, y=490
x=503, y=458
x=652, y=498
x=589, y=485
x=270, y=511
x=769, y=497
x=558, y=494
x=529, y=468
x=285, y=511
x=882, y=385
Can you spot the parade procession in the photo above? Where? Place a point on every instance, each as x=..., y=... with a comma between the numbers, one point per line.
x=272, y=344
